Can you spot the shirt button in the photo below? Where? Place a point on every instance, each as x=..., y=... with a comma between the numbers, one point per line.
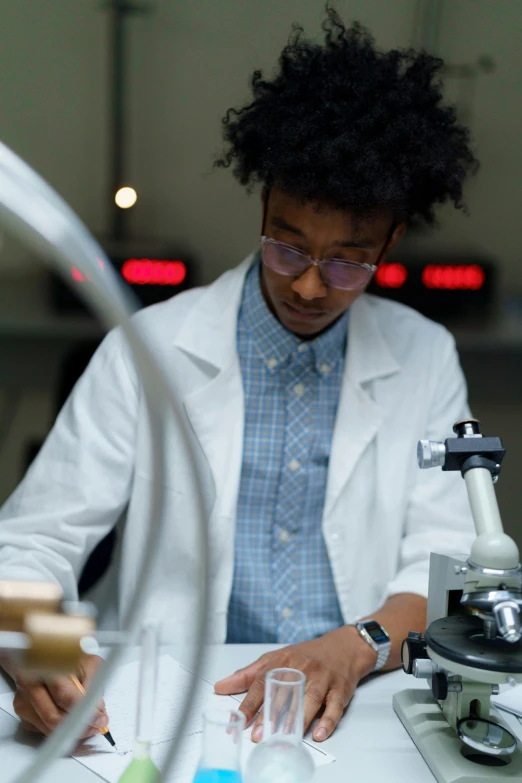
x=334, y=536
x=286, y=612
x=271, y=363
x=299, y=389
x=294, y=464
x=284, y=536
x=324, y=368
x=302, y=348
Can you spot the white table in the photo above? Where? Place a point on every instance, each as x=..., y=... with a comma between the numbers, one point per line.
x=370, y=743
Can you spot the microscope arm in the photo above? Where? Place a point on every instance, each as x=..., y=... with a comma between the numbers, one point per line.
x=493, y=576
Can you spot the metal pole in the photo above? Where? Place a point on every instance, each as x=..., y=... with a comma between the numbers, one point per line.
x=430, y=25
x=118, y=11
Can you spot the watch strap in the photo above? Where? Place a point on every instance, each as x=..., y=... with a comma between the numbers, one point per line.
x=382, y=656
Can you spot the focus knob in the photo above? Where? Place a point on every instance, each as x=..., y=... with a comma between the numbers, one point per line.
x=430, y=454
x=413, y=648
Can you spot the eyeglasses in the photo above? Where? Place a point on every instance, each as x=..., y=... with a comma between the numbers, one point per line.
x=335, y=272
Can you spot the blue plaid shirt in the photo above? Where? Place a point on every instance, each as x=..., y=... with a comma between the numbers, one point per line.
x=283, y=590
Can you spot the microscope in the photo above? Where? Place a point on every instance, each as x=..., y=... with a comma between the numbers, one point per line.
x=472, y=644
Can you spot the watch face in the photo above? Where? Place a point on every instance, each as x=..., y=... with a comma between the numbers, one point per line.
x=377, y=633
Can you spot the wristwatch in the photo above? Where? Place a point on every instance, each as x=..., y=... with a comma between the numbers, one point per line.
x=375, y=635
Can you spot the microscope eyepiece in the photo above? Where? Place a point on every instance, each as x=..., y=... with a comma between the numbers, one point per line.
x=467, y=428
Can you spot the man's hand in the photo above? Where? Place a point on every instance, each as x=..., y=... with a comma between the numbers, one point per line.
x=333, y=664
x=42, y=706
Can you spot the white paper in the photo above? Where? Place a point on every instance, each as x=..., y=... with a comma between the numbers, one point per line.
x=120, y=699
x=510, y=700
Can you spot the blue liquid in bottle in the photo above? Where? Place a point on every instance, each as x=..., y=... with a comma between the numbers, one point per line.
x=206, y=775
x=221, y=749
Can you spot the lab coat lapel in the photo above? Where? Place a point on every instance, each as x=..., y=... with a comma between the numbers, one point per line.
x=359, y=416
x=216, y=408
x=216, y=413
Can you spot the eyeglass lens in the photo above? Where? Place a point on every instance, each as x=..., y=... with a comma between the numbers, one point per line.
x=338, y=274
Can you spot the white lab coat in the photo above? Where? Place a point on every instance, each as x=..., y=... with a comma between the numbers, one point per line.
x=382, y=515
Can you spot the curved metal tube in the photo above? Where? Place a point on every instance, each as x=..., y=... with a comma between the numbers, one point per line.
x=40, y=217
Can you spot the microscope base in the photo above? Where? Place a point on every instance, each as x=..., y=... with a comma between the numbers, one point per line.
x=439, y=745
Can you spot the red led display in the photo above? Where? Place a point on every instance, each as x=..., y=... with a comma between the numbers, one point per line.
x=442, y=277
x=391, y=275
x=146, y=271
x=463, y=277
x=77, y=275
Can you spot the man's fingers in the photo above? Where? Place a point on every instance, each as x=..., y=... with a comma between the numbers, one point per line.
x=64, y=692
x=331, y=716
x=66, y=695
x=35, y=726
x=257, y=728
x=31, y=720
x=36, y=709
x=34, y=705
x=89, y=731
x=45, y=705
x=87, y=670
x=240, y=681
x=254, y=699
x=27, y=714
x=315, y=696
x=89, y=665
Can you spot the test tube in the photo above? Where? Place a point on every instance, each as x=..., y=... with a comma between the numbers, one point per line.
x=141, y=768
x=146, y=690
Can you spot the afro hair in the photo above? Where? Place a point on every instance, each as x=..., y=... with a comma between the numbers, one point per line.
x=346, y=125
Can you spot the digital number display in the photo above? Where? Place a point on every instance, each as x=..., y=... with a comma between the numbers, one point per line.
x=376, y=632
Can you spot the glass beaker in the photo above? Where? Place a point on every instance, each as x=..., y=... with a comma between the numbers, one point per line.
x=220, y=760
x=281, y=755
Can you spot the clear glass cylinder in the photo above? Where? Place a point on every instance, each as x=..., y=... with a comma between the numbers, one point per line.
x=281, y=755
x=284, y=705
x=220, y=760
x=148, y=677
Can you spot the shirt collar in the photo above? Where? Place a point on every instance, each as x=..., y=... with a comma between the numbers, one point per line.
x=275, y=343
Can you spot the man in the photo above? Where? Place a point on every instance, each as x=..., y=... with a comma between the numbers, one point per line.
x=306, y=399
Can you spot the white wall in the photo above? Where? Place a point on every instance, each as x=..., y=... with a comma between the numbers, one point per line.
x=469, y=29
x=190, y=61
x=52, y=87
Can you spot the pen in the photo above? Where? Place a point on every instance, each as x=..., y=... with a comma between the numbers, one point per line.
x=105, y=731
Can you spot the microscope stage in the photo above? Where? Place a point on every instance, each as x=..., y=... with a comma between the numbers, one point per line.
x=461, y=639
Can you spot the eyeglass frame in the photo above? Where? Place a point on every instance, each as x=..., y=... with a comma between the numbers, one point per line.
x=370, y=268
